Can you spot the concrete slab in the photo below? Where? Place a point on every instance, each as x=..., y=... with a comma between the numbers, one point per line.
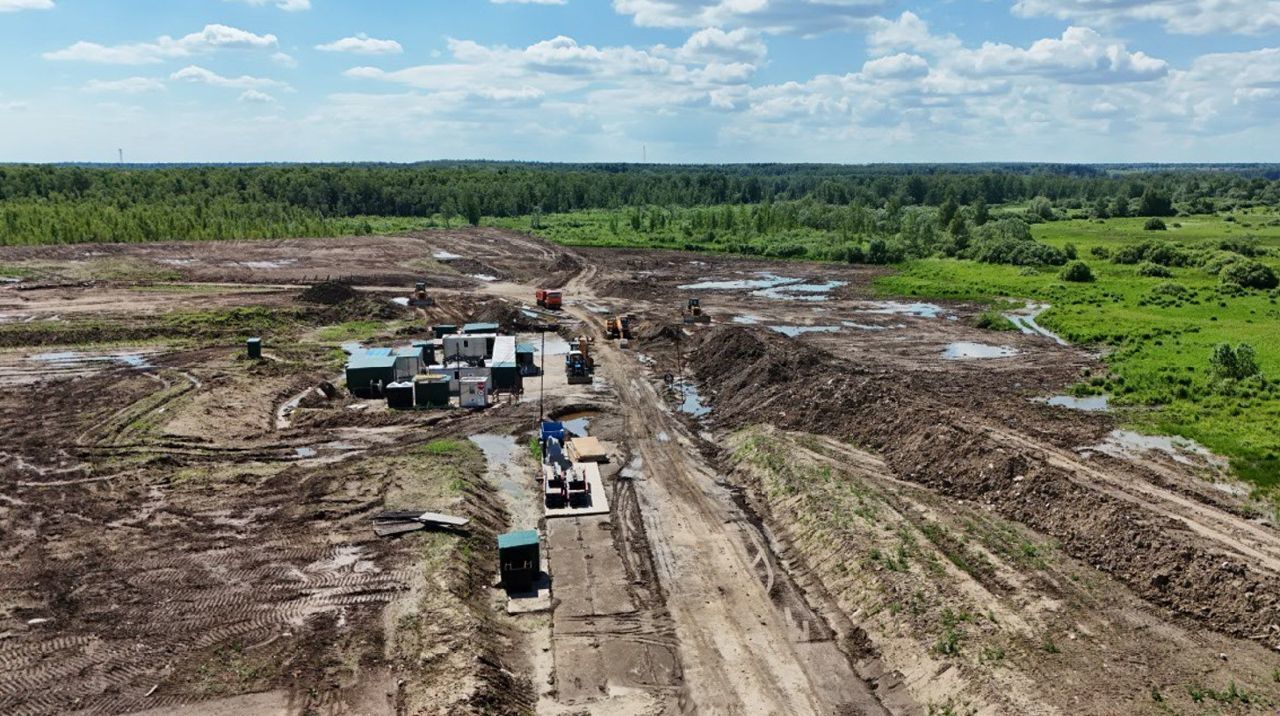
x=596, y=502
x=587, y=558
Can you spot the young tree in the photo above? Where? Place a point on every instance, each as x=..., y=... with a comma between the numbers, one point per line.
x=1154, y=203
x=981, y=214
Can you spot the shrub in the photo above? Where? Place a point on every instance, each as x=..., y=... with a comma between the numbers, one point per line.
x=1245, y=247
x=1235, y=363
x=1154, y=224
x=1100, y=252
x=1250, y=274
x=995, y=321
x=1077, y=272
x=1153, y=270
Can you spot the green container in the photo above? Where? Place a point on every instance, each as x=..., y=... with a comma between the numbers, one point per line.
x=431, y=391
x=444, y=329
x=254, y=346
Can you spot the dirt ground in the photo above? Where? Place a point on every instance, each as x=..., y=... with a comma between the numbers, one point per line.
x=822, y=501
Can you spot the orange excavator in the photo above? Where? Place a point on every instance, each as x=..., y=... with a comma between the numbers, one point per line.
x=618, y=327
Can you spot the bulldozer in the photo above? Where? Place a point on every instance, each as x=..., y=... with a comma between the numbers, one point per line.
x=618, y=327
x=577, y=367
x=420, y=297
x=693, y=312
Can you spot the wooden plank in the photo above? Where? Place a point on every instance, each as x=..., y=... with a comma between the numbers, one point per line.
x=587, y=449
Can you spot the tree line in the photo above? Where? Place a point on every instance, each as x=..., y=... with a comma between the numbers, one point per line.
x=64, y=204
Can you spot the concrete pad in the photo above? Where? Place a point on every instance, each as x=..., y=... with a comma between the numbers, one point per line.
x=595, y=503
x=588, y=668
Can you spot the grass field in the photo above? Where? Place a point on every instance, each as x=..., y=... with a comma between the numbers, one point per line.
x=1157, y=348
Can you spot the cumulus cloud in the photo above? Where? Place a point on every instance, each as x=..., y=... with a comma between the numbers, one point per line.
x=197, y=74
x=801, y=17
x=256, y=97
x=899, y=66
x=286, y=5
x=284, y=59
x=212, y=37
x=1080, y=56
x=1189, y=17
x=362, y=44
x=715, y=45
x=19, y=5
x=128, y=85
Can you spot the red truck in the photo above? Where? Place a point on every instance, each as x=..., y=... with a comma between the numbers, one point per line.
x=550, y=300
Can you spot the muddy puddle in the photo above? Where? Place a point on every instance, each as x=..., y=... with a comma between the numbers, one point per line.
x=690, y=400
x=764, y=281
x=1088, y=404
x=1025, y=321
x=747, y=320
x=555, y=345
x=487, y=278
x=268, y=265
x=1128, y=444
x=445, y=256
x=868, y=326
x=811, y=292
x=577, y=423
x=797, y=331
x=77, y=359
x=903, y=308
x=502, y=471
x=966, y=350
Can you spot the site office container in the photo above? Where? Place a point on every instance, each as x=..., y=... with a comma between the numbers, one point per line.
x=504, y=367
x=519, y=560
x=455, y=374
x=478, y=329
x=368, y=373
x=444, y=329
x=470, y=348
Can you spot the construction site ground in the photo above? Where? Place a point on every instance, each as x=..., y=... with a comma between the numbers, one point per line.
x=821, y=502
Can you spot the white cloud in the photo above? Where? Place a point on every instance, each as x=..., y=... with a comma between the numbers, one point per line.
x=284, y=59
x=286, y=5
x=19, y=5
x=1081, y=56
x=802, y=17
x=362, y=44
x=128, y=85
x=195, y=73
x=212, y=37
x=713, y=44
x=1189, y=17
x=899, y=66
x=256, y=97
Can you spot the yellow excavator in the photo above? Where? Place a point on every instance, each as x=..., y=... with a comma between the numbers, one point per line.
x=618, y=327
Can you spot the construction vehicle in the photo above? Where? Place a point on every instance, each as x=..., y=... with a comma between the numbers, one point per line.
x=583, y=345
x=693, y=312
x=576, y=368
x=420, y=297
x=618, y=327
x=550, y=300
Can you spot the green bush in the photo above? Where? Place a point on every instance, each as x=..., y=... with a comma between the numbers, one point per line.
x=1250, y=274
x=1154, y=224
x=1077, y=272
x=1235, y=363
x=1153, y=270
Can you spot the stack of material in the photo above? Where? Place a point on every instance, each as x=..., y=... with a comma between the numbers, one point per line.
x=587, y=450
x=389, y=524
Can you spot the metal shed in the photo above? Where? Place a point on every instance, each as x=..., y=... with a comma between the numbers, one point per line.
x=519, y=560
x=369, y=371
x=475, y=329
x=504, y=367
x=443, y=329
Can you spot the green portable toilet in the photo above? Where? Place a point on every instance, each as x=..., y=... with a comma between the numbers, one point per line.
x=399, y=396
x=518, y=560
x=428, y=350
x=254, y=346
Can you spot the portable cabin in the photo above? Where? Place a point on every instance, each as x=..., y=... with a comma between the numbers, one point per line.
x=427, y=349
x=254, y=347
x=474, y=392
x=408, y=363
x=399, y=395
x=443, y=329
x=525, y=353
x=431, y=391
x=455, y=373
x=466, y=348
x=477, y=329
x=369, y=371
x=519, y=560
x=504, y=368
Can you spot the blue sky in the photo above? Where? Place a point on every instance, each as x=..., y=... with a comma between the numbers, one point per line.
x=678, y=80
